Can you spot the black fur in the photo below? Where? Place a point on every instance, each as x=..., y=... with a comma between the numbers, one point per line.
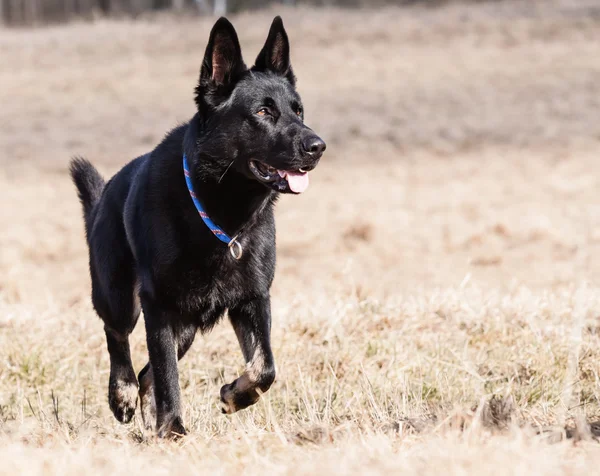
x=89, y=183
x=150, y=250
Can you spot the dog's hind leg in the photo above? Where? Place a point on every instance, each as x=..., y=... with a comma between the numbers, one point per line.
x=123, y=385
x=252, y=324
x=113, y=295
x=147, y=400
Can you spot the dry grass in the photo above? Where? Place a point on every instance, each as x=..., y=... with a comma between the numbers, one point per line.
x=437, y=299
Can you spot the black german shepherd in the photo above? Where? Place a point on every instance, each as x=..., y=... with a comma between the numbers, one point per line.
x=149, y=247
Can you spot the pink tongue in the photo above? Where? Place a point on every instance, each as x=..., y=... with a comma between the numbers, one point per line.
x=297, y=181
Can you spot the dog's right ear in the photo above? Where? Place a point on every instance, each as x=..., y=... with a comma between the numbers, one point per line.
x=221, y=67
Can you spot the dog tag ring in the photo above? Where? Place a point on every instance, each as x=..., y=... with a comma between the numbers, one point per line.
x=235, y=248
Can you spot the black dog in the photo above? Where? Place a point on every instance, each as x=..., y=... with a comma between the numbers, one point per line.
x=149, y=246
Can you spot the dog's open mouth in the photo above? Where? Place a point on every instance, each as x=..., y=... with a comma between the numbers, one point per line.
x=281, y=180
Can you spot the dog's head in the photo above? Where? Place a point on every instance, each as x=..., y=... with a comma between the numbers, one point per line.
x=253, y=119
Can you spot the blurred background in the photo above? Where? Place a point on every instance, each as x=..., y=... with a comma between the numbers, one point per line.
x=21, y=12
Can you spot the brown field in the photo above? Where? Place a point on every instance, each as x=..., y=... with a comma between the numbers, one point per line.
x=437, y=302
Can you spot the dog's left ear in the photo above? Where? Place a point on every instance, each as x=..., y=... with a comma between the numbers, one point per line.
x=222, y=65
x=275, y=55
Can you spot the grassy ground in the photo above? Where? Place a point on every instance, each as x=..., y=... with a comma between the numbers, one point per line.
x=437, y=305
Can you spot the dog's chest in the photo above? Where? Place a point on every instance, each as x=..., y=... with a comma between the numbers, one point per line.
x=221, y=283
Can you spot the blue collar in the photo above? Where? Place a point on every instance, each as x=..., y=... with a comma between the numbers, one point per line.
x=235, y=248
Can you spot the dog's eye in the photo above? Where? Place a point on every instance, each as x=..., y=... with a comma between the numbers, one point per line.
x=263, y=111
x=299, y=111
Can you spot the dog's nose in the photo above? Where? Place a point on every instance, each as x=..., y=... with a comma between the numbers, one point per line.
x=314, y=146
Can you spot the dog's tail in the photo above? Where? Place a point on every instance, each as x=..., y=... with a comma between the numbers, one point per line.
x=89, y=183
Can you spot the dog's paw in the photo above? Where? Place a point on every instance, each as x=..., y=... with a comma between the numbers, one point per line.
x=148, y=401
x=232, y=400
x=122, y=399
x=227, y=403
x=226, y=408
x=148, y=408
x=172, y=429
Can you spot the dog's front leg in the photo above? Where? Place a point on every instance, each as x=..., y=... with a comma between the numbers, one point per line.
x=251, y=321
x=162, y=350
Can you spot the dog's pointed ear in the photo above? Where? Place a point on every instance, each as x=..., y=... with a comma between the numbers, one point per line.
x=222, y=64
x=275, y=55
